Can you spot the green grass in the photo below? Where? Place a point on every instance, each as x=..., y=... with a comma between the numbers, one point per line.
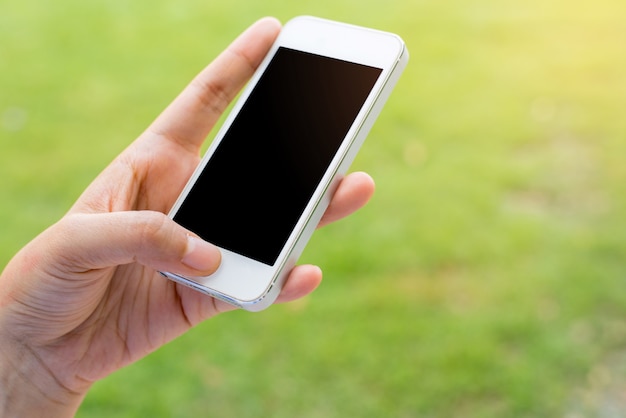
x=485, y=278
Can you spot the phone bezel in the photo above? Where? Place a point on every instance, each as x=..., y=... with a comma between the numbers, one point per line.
x=253, y=285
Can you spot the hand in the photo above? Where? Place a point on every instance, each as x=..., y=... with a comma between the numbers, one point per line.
x=83, y=299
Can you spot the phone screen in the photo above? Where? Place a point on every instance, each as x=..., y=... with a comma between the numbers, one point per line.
x=263, y=173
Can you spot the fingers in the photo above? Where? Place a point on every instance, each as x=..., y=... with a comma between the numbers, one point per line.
x=193, y=113
x=354, y=191
x=93, y=241
x=302, y=281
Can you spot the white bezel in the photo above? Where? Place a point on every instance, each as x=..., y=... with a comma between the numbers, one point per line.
x=248, y=283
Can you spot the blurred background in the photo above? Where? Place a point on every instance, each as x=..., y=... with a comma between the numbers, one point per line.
x=486, y=278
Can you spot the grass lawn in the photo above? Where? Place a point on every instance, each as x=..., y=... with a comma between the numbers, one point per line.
x=485, y=279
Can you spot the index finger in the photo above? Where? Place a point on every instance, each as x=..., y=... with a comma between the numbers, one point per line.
x=189, y=118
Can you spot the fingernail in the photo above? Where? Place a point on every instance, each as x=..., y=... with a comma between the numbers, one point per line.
x=201, y=255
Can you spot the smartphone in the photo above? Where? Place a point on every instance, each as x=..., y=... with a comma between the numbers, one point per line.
x=271, y=170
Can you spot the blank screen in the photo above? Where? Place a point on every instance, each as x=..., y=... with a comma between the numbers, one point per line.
x=263, y=173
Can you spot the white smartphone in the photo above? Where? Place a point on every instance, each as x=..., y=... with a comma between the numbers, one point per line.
x=270, y=172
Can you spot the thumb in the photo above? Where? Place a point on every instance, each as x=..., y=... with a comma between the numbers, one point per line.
x=95, y=241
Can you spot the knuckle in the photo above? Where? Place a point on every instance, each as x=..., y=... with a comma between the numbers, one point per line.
x=154, y=227
x=213, y=95
x=160, y=237
x=217, y=90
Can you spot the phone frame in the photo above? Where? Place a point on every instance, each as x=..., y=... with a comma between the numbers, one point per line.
x=253, y=285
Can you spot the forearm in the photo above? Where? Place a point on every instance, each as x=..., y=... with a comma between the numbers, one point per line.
x=27, y=388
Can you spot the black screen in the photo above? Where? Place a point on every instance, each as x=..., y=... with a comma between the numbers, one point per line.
x=260, y=178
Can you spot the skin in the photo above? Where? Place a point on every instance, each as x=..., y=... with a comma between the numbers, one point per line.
x=84, y=298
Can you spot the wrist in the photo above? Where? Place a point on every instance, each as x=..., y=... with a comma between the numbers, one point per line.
x=28, y=387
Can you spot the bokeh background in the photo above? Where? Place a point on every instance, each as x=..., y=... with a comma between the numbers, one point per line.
x=486, y=278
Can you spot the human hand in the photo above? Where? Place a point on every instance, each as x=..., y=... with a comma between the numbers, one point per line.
x=83, y=299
